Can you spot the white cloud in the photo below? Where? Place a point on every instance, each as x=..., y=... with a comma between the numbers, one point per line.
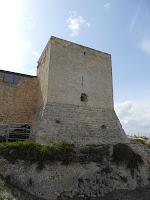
x=107, y=5
x=134, y=116
x=145, y=45
x=75, y=23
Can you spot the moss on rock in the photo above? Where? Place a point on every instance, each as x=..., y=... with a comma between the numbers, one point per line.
x=94, y=153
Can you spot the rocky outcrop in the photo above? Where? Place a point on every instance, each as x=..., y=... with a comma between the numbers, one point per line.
x=92, y=180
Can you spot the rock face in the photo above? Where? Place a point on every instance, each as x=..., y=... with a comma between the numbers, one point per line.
x=138, y=194
x=9, y=192
x=78, y=181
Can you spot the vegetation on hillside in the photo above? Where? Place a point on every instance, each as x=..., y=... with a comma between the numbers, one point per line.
x=138, y=139
x=94, y=153
x=124, y=154
x=32, y=152
x=63, y=152
x=66, y=153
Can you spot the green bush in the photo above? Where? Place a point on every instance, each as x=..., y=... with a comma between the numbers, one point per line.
x=64, y=152
x=94, y=153
x=36, y=153
x=124, y=154
x=13, y=151
x=61, y=151
x=138, y=141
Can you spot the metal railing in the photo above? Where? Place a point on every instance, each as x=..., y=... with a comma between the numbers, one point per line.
x=14, y=132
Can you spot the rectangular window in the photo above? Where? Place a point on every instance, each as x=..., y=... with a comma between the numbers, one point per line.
x=11, y=78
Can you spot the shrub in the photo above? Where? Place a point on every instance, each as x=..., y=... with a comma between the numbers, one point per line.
x=13, y=151
x=138, y=140
x=94, y=153
x=64, y=152
x=36, y=153
x=124, y=154
x=61, y=151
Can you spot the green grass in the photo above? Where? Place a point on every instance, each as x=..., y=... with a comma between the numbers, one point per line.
x=138, y=141
x=36, y=153
x=66, y=153
x=124, y=154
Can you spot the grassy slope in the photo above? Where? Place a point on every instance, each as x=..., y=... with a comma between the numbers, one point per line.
x=66, y=153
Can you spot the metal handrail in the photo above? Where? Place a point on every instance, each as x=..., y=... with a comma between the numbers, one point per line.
x=11, y=132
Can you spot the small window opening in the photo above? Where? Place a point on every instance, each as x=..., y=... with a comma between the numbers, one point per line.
x=57, y=121
x=84, y=97
x=11, y=78
x=103, y=126
x=30, y=182
x=84, y=53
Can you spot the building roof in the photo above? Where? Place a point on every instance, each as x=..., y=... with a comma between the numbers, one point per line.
x=16, y=73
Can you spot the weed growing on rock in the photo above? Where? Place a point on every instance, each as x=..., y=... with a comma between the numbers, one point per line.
x=32, y=152
x=124, y=154
x=64, y=152
x=94, y=153
x=138, y=141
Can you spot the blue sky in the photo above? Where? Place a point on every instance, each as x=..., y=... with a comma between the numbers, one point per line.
x=119, y=27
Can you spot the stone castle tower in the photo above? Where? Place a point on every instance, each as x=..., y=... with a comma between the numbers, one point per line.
x=71, y=98
x=76, y=95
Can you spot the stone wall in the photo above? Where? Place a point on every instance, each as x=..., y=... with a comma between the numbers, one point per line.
x=43, y=69
x=80, y=125
x=18, y=97
x=76, y=69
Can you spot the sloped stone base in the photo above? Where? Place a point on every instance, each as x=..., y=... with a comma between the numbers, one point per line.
x=80, y=125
